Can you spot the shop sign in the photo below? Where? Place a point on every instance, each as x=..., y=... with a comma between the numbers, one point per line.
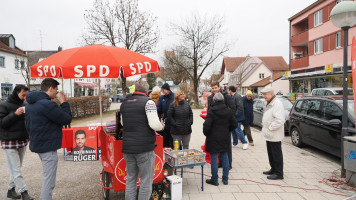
x=329, y=68
x=286, y=74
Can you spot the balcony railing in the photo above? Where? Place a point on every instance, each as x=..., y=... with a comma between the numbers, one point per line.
x=300, y=38
x=300, y=62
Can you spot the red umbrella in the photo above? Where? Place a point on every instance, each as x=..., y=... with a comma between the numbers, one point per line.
x=95, y=61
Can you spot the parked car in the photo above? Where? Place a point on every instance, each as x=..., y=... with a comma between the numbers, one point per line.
x=329, y=91
x=117, y=98
x=316, y=121
x=258, y=109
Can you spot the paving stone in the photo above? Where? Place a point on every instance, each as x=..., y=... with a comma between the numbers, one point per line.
x=290, y=196
x=267, y=196
x=247, y=196
x=250, y=188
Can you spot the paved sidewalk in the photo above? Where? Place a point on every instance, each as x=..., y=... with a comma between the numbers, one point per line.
x=302, y=169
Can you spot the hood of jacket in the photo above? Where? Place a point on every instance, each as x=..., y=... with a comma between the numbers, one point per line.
x=220, y=109
x=35, y=96
x=14, y=98
x=155, y=95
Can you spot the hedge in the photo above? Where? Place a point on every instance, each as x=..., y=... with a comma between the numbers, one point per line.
x=85, y=106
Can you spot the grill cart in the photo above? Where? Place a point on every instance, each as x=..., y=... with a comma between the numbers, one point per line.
x=113, y=175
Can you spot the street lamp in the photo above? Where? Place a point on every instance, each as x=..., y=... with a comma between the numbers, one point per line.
x=343, y=15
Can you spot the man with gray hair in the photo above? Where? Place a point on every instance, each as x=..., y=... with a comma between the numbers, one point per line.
x=140, y=121
x=273, y=132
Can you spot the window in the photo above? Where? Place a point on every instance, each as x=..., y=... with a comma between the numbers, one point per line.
x=312, y=108
x=262, y=76
x=12, y=42
x=318, y=18
x=6, y=90
x=338, y=39
x=318, y=46
x=22, y=64
x=17, y=63
x=331, y=111
x=2, y=61
x=298, y=107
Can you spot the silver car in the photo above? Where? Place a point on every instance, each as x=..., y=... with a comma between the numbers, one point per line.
x=329, y=91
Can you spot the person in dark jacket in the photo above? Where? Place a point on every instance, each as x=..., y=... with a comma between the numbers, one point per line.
x=180, y=117
x=14, y=139
x=248, y=110
x=140, y=121
x=215, y=88
x=240, y=116
x=44, y=121
x=217, y=128
x=162, y=108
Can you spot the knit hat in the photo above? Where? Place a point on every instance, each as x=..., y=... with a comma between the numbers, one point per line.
x=218, y=97
x=166, y=86
x=248, y=92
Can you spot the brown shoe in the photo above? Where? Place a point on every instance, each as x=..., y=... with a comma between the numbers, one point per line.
x=252, y=144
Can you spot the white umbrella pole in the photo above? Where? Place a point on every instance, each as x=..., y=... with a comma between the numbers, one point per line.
x=100, y=98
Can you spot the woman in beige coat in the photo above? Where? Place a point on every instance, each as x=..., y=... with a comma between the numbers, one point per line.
x=273, y=131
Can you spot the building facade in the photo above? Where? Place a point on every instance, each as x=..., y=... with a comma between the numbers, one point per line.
x=316, y=49
x=12, y=65
x=254, y=69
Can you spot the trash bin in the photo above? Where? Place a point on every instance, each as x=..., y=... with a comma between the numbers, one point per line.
x=350, y=158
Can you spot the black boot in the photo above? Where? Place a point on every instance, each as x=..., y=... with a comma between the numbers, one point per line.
x=12, y=194
x=26, y=196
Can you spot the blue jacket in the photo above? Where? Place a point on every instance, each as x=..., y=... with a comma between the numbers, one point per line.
x=248, y=110
x=163, y=105
x=44, y=120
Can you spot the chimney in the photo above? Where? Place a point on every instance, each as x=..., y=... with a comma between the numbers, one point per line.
x=59, y=48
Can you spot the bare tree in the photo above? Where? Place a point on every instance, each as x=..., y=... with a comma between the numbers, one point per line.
x=24, y=69
x=175, y=72
x=199, y=43
x=121, y=24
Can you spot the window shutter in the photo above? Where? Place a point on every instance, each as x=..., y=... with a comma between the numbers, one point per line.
x=311, y=48
x=311, y=21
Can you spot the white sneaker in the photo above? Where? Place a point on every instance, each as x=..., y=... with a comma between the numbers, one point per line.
x=245, y=146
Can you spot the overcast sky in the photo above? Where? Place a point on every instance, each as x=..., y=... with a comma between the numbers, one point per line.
x=255, y=27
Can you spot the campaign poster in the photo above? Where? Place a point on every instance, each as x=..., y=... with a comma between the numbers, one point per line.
x=85, y=144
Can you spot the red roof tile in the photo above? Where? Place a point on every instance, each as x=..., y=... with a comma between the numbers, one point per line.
x=4, y=47
x=265, y=81
x=275, y=63
x=231, y=63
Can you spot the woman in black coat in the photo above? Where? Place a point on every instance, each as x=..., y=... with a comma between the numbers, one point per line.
x=14, y=139
x=217, y=128
x=180, y=117
x=248, y=110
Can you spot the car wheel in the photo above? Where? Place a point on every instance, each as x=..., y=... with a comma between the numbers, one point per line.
x=296, y=137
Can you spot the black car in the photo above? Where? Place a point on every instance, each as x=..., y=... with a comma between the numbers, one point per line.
x=258, y=109
x=316, y=121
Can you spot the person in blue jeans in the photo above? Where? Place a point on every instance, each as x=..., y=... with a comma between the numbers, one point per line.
x=217, y=127
x=240, y=116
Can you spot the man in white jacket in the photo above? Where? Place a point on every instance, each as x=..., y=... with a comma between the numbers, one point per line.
x=273, y=131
